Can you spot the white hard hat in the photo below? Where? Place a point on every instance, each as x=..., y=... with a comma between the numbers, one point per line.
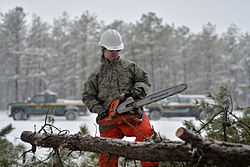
x=111, y=40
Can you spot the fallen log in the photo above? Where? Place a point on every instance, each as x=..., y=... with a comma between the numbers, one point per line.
x=194, y=149
x=146, y=151
x=217, y=152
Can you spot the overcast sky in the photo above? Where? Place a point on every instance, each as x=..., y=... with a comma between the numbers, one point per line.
x=191, y=13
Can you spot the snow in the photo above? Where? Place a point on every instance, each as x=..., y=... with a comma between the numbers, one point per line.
x=48, y=92
x=69, y=101
x=165, y=126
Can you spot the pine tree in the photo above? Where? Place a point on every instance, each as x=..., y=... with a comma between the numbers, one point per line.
x=14, y=31
x=85, y=52
x=148, y=33
x=9, y=153
x=221, y=122
x=206, y=60
x=37, y=57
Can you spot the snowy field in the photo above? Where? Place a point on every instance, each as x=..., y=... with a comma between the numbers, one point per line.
x=165, y=126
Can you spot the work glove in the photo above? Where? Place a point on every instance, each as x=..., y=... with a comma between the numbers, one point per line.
x=102, y=115
x=136, y=93
x=139, y=111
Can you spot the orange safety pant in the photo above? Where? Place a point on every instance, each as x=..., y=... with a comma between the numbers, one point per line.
x=140, y=130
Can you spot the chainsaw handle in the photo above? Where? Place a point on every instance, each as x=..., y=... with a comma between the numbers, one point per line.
x=113, y=107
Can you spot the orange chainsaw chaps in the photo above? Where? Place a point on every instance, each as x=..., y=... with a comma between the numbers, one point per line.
x=120, y=119
x=115, y=118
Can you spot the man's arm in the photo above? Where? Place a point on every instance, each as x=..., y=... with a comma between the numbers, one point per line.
x=141, y=81
x=89, y=97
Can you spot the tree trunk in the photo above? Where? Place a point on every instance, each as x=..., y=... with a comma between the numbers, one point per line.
x=195, y=149
x=217, y=152
x=146, y=151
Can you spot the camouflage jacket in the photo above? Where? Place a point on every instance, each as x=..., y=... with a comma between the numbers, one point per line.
x=109, y=80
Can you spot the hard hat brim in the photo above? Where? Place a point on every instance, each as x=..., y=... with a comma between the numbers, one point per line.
x=120, y=47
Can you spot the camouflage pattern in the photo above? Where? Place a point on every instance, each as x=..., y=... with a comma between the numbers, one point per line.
x=110, y=80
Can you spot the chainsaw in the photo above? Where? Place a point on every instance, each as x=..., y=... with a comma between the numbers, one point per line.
x=120, y=112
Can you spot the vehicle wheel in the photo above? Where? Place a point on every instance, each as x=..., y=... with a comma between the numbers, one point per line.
x=19, y=115
x=155, y=115
x=71, y=115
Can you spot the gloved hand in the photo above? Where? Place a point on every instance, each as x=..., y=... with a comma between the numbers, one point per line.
x=139, y=111
x=136, y=93
x=102, y=115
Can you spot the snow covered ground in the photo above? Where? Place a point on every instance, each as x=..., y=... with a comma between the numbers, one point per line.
x=165, y=126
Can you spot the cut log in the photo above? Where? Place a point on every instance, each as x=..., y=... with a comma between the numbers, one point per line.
x=146, y=151
x=217, y=152
x=195, y=149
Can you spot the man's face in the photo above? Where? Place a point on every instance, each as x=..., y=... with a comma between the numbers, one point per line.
x=111, y=55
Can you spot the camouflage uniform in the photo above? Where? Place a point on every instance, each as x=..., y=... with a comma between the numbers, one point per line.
x=110, y=80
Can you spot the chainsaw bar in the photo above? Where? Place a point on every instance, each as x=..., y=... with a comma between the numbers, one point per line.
x=130, y=104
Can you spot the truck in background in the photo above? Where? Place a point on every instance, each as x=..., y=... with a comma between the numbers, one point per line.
x=181, y=105
x=45, y=102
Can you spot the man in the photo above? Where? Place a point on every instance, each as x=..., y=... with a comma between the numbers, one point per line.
x=117, y=78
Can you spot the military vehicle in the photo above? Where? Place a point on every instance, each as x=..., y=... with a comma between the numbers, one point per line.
x=47, y=103
x=180, y=105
